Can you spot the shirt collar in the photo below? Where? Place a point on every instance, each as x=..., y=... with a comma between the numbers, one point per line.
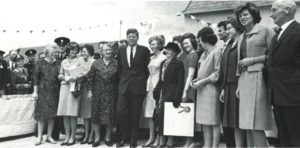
x=286, y=24
x=134, y=47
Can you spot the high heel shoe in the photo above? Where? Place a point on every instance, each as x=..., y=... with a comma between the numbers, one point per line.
x=64, y=143
x=108, y=143
x=72, y=143
x=38, y=143
x=84, y=142
x=149, y=144
x=95, y=144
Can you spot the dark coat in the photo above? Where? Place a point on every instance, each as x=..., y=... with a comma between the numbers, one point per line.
x=4, y=74
x=135, y=76
x=284, y=67
x=229, y=64
x=171, y=88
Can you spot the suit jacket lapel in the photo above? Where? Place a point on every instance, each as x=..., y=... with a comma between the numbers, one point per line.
x=288, y=30
x=125, y=55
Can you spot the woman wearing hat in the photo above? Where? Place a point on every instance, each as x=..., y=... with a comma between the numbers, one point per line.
x=69, y=104
x=19, y=77
x=169, y=87
x=46, y=91
x=208, y=104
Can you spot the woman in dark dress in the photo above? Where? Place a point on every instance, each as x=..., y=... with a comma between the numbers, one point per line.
x=19, y=77
x=169, y=87
x=228, y=79
x=46, y=91
x=102, y=87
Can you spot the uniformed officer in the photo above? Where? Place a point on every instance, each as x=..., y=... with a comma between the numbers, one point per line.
x=3, y=73
x=62, y=42
x=30, y=65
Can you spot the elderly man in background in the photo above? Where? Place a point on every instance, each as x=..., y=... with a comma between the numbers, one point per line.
x=284, y=72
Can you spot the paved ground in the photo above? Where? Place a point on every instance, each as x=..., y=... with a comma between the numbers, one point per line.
x=28, y=141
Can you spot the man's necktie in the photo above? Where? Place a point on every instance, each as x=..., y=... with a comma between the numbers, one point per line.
x=131, y=56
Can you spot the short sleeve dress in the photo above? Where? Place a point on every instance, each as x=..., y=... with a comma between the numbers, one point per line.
x=191, y=61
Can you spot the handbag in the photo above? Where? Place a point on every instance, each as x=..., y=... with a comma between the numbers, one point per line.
x=77, y=90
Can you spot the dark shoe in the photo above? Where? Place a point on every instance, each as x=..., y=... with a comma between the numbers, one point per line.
x=108, y=143
x=150, y=144
x=64, y=143
x=133, y=145
x=121, y=143
x=95, y=144
x=84, y=142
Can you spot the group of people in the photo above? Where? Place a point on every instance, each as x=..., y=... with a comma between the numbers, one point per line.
x=249, y=86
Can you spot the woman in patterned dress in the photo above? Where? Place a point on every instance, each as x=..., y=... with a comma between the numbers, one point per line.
x=156, y=45
x=46, y=91
x=87, y=51
x=102, y=82
x=68, y=105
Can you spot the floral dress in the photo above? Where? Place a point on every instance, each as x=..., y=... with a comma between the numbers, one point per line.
x=46, y=79
x=102, y=82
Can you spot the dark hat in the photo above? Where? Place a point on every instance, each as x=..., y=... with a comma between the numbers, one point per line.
x=62, y=41
x=18, y=57
x=30, y=52
x=2, y=52
x=173, y=47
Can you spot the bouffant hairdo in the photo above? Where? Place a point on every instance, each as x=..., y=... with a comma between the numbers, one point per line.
x=236, y=25
x=177, y=38
x=207, y=35
x=253, y=10
x=160, y=41
x=192, y=39
x=205, y=30
x=89, y=48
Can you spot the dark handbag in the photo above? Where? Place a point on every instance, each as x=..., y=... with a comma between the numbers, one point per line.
x=77, y=91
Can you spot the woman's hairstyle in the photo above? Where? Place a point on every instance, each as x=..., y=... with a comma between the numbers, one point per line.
x=160, y=41
x=177, y=38
x=73, y=46
x=207, y=36
x=49, y=48
x=205, y=30
x=236, y=25
x=89, y=48
x=192, y=39
x=253, y=10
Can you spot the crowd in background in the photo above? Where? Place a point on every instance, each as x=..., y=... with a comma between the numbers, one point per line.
x=249, y=86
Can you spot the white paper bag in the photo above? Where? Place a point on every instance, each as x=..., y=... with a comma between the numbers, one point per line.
x=179, y=121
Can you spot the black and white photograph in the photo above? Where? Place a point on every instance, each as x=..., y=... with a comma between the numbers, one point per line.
x=149, y=73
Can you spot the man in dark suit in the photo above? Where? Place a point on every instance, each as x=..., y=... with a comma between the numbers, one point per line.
x=133, y=75
x=3, y=73
x=284, y=73
x=11, y=65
